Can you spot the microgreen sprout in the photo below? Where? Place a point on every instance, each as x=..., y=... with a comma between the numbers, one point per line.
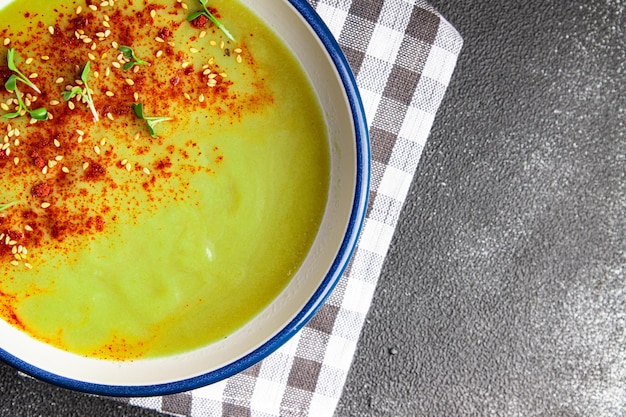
x=11, y=64
x=209, y=15
x=150, y=120
x=130, y=55
x=7, y=205
x=84, y=93
x=38, y=114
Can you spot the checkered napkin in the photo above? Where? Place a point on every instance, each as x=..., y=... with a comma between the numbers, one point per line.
x=403, y=54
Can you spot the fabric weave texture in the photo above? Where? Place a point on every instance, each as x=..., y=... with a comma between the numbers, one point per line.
x=403, y=54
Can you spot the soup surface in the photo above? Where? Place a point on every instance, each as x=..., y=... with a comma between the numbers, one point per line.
x=124, y=237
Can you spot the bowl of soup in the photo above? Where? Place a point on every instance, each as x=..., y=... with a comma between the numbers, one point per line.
x=186, y=183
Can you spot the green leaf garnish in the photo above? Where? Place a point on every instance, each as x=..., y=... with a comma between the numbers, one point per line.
x=7, y=205
x=209, y=15
x=129, y=54
x=11, y=54
x=38, y=114
x=151, y=121
x=85, y=93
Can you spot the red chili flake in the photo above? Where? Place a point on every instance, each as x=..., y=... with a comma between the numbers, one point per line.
x=41, y=190
x=164, y=33
x=95, y=171
x=175, y=80
x=38, y=160
x=199, y=21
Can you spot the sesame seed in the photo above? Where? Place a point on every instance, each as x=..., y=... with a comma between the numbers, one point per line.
x=184, y=5
x=116, y=65
x=104, y=4
x=172, y=44
x=96, y=149
x=87, y=40
x=85, y=165
x=80, y=139
x=211, y=76
x=109, y=116
x=16, y=160
x=158, y=39
x=136, y=96
x=57, y=143
x=106, y=18
x=187, y=96
x=59, y=80
x=17, y=256
x=239, y=59
x=201, y=98
x=212, y=43
x=193, y=50
x=71, y=105
x=223, y=75
x=109, y=93
x=51, y=30
x=65, y=169
x=146, y=170
x=202, y=34
x=58, y=158
x=29, y=61
x=159, y=53
x=7, y=152
x=44, y=170
x=4, y=107
x=45, y=205
x=107, y=71
x=123, y=162
x=128, y=166
x=185, y=64
x=222, y=44
x=28, y=228
x=129, y=81
x=152, y=13
x=33, y=75
x=45, y=57
x=79, y=9
x=93, y=7
x=6, y=41
x=115, y=44
x=96, y=74
x=137, y=136
x=14, y=263
x=237, y=50
x=106, y=24
x=91, y=56
x=27, y=265
x=93, y=46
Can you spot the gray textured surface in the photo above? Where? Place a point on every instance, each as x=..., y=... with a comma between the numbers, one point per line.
x=504, y=290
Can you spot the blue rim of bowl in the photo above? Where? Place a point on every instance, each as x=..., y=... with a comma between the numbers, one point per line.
x=340, y=263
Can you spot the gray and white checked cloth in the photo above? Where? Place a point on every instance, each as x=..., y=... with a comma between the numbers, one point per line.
x=403, y=54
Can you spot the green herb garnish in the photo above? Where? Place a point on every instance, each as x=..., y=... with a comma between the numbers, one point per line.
x=150, y=120
x=7, y=205
x=209, y=15
x=84, y=93
x=38, y=114
x=11, y=64
x=130, y=55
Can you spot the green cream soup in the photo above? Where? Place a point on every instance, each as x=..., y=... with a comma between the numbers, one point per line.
x=131, y=237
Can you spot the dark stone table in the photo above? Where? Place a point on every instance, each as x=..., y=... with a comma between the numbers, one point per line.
x=504, y=290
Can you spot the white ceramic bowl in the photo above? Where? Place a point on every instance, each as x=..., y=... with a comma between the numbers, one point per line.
x=306, y=35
